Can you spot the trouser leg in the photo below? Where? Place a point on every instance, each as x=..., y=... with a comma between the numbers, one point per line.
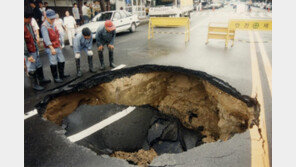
x=39, y=70
x=77, y=60
x=72, y=34
x=32, y=71
x=61, y=64
x=90, y=64
x=90, y=59
x=101, y=57
x=54, y=72
x=70, y=38
x=34, y=81
x=62, y=39
x=40, y=76
x=111, y=59
x=53, y=60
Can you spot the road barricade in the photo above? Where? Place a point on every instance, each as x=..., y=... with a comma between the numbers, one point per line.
x=220, y=31
x=169, y=22
x=228, y=33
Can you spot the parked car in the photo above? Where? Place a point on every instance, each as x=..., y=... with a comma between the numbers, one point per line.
x=123, y=20
x=206, y=6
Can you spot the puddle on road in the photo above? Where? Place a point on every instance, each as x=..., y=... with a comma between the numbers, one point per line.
x=200, y=102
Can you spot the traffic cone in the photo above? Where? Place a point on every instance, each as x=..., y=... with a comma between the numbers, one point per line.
x=268, y=9
x=213, y=8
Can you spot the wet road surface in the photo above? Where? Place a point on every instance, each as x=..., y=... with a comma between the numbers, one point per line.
x=242, y=66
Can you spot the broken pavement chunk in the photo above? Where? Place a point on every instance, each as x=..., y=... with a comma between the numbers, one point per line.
x=170, y=133
x=162, y=147
x=156, y=130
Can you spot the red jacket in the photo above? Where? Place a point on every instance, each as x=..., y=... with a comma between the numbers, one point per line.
x=29, y=41
x=54, y=36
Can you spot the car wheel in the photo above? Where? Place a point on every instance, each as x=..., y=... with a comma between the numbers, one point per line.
x=133, y=27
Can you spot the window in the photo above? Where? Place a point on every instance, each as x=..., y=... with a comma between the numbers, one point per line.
x=116, y=16
x=104, y=17
x=128, y=14
x=123, y=15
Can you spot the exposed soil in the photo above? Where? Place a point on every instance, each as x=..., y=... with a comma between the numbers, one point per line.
x=140, y=158
x=194, y=101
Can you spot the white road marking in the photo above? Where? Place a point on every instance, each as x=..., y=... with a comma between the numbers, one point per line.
x=96, y=127
x=30, y=114
x=118, y=67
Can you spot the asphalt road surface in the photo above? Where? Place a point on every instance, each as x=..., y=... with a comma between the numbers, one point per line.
x=246, y=66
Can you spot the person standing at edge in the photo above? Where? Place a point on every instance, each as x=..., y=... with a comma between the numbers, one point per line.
x=70, y=25
x=84, y=41
x=106, y=36
x=52, y=44
x=85, y=13
x=97, y=7
x=60, y=26
x=76, y=14
x=37, y=14
x=33, y=63
x=45, y=5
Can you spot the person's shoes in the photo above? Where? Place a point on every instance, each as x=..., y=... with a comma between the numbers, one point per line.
x=61, y=68
x=40, y=76
x=34, y=81
x=112, y=65
x=90, y=64
x=54, y=73
x=103, y=67
x=79, y=74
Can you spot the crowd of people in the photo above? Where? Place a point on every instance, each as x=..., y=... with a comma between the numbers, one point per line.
x=43, y=26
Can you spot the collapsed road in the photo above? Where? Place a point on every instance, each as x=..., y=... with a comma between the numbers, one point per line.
x=175, y=109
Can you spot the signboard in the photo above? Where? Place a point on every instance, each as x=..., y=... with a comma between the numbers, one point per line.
x=263, y=25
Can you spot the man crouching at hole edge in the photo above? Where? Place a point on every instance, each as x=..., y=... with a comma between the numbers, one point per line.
x=84, y=41
x=106, y=36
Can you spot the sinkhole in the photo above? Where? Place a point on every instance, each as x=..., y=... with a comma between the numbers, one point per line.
x=175, y=109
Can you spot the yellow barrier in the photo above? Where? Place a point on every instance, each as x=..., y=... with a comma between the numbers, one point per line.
x=169, y=22
x=237, y=24
x=216, y=31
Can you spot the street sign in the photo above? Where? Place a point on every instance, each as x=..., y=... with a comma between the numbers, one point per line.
x=261, y=25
